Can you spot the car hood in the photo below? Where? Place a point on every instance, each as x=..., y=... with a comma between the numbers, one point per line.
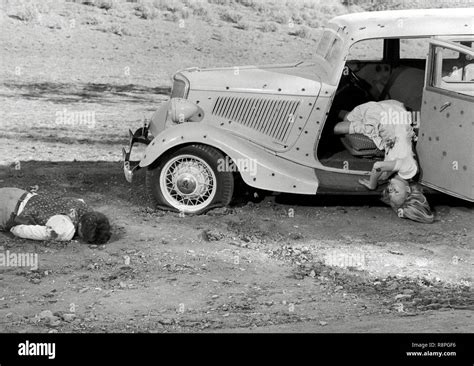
x=288, y=79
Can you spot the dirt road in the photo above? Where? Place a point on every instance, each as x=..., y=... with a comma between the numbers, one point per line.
x=330, y=265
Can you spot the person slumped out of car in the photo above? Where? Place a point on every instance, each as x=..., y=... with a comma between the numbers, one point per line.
x=41, y=217
x=399, y=165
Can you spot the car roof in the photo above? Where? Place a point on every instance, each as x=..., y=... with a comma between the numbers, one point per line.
x=405, y=23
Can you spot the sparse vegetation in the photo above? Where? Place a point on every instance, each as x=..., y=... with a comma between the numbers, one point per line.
x=268, y=27
x=281, y=18
x=172, y=6
x=256, y=5
x=243, y=14
x=200, y=10
x=231, y=16
x=105, y=4
x=184, y=13
x=296, y=18
x=244, y=25
x=146, y=12
x=101, y=4
x=302, y=32
x=221, y=2
x=27, y=12
x=314, y=23
x=91, y=20
x=118, y=30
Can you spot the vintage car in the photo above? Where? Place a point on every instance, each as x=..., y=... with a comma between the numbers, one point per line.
x=272, y=126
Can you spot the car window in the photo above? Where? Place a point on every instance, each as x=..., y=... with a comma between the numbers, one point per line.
x=449, y=54
x=368, y=50
x=414, y=48
x=456, y=66
x=417, y=48
x=453, y=70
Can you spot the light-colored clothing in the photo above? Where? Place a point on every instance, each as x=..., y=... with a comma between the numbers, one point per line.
x=388, y=124
x=34, y=232
x=368, y=118
x=23, y=203
x=399, y=148
x=402, y=154
x=58, y=227
x=9, y=198
x=63, y=226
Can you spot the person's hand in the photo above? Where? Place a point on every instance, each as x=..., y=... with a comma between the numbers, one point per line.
x=366, y=183
x=52, y=234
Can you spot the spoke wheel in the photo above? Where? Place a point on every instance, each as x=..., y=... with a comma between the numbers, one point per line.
x=188, y=183
x=188, y=180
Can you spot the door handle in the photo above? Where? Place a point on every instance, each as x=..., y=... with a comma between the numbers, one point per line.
x=444, y=106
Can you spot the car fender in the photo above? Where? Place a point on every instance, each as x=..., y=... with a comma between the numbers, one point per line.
x=258, y=167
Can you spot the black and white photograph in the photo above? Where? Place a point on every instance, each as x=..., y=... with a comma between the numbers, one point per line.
x=236, y=170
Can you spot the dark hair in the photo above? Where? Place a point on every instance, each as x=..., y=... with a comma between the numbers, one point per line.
x=95, y=228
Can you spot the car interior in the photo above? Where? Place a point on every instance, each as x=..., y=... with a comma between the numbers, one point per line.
x=396, y=74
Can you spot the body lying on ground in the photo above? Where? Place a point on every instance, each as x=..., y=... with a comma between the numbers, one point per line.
x=43, y=217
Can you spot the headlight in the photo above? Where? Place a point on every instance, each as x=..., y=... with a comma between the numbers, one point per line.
x=180, y=87
x=180, y=110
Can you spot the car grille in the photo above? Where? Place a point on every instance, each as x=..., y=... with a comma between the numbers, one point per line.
x=270, y=116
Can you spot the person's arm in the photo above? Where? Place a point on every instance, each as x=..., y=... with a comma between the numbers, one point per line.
x=377, y=170
x=34, y=232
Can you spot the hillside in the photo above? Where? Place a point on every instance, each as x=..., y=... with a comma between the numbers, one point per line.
x=146, y=41
x=114, y=60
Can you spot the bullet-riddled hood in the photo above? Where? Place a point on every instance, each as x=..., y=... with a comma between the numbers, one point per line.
x=289, y=79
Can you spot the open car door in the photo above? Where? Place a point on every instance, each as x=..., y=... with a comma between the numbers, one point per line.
x=445, y=138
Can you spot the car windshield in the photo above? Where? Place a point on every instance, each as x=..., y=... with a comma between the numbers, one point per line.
x=330, y=46
x=330, y=49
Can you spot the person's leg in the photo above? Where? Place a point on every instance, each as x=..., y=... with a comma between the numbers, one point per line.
x=9, y=198
x=342, y=128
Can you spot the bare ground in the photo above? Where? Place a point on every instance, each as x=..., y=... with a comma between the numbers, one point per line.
x=293, y=264
x=252, y=267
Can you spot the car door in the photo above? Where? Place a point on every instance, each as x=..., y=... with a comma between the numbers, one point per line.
x=445, y=138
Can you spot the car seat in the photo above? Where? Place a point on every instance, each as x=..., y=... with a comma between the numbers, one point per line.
x=360, y=145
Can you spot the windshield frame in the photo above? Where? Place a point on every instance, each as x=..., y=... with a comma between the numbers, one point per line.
x=330, y=53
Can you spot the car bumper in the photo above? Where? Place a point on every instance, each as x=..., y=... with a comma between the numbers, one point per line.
x=129, y=166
